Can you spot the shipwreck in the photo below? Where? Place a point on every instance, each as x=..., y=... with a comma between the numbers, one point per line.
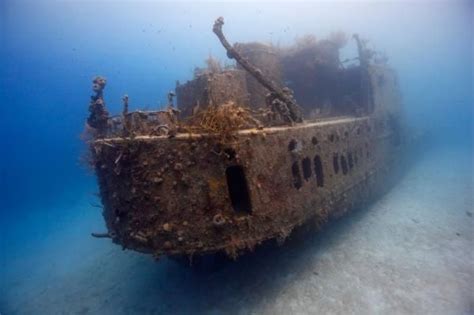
x=286, y=137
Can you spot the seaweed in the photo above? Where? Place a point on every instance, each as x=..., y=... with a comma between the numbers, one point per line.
x=222, y=121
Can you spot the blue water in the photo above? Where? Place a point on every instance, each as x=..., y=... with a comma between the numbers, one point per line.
x=50, y=51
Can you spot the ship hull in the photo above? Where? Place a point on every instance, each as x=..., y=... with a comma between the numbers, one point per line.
x=194, y=194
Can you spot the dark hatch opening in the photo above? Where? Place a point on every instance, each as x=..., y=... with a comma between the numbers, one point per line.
x=238, y=189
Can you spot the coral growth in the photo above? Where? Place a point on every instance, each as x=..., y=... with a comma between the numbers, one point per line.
x=222, y=121
x=305, y=41
x=213, y=66
x=98, y=118
x=339, y=39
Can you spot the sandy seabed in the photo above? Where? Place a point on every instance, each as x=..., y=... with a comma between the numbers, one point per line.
x=411, y=252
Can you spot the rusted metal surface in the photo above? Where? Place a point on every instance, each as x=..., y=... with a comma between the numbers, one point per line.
x=268, y=60
x=171, y=196
x=172, y=191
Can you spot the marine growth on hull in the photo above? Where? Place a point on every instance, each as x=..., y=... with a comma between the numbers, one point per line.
x=246, y=153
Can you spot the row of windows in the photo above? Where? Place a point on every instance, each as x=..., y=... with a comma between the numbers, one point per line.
x=342, y=163
x=308, y=165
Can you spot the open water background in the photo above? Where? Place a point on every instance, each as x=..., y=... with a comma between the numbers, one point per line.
x=50, y=51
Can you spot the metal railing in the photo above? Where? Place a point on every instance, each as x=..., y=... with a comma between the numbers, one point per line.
x=142, y=123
